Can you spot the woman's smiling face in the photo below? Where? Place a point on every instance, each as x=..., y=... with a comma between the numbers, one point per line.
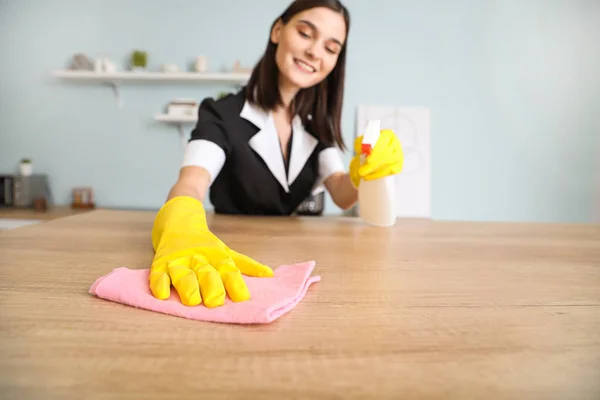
x=308, y=46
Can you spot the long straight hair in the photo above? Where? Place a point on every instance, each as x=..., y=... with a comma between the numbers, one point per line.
x=320, y=106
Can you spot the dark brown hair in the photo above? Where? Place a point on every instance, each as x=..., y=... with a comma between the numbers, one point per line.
x=320, y=106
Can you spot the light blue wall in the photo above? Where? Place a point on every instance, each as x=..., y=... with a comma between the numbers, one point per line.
x=513, y=87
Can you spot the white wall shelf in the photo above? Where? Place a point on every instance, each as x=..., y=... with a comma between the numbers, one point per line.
x=180, y=122
x=115, y=79
x=150, y=76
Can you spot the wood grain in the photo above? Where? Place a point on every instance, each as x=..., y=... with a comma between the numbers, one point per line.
x=53, y=212
x=425, y=310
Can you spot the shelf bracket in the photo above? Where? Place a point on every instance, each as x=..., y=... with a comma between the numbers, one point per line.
x=182, y=135
x=117, y=92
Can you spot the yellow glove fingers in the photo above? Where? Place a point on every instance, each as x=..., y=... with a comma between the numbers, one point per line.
x=380, y=153
x=358, y=145
x=184, y=281
x=249, y=266
x=387, y=152
x=369, y=167
x=209, y=280
x=160, y=282
x=392, y=165
x=234, y=283
x=383, y=172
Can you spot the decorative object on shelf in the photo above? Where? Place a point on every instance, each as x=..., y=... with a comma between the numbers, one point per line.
x=182, y=108
x=82, y=197
x=201, y=64
x=238, y=69
x=25, y=167
x=40, y=204
x=81, y=62
x=169, y=68
x=104, y=65
x=139, y=60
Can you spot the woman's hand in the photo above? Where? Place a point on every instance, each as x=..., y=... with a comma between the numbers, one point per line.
x=386, y=158
x=188, y=256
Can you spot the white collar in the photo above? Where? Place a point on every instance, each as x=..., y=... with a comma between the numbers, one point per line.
x=266, y=144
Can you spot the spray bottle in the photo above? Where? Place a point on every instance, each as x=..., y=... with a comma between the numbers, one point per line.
x=376, y=198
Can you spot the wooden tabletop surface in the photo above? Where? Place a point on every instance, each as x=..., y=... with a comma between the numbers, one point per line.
x=28, y=213
x=423, y=310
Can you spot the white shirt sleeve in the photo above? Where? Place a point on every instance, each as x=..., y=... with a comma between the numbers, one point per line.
x=330, y=162
x=206, y=154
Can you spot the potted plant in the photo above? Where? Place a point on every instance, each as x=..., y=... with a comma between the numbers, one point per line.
x=139, y=60
x=26, y=167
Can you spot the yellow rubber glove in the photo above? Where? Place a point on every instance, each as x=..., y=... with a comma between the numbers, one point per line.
x=386, y=158
x=200, y=267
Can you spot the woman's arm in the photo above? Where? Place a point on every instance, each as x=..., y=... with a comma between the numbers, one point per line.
x=342, y=192
x=193, y=181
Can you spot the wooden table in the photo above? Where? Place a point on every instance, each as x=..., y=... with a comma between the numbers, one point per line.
x=51, y=213
x=424, y=310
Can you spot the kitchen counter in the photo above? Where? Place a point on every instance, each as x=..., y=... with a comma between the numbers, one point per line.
x=423, y=310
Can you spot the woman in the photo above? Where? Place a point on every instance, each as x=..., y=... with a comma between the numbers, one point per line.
x=262, y=151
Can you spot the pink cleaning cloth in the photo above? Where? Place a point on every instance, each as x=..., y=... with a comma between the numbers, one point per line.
x=271, y=297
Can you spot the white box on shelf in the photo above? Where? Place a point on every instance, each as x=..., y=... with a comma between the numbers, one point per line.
x=182, y=108
x=412, y=126
x=181, y=111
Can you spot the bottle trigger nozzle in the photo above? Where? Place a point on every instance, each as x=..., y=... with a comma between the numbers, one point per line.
x=370, y=137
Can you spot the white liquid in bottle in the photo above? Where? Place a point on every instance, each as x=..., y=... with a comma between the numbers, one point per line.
x=376, y=198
